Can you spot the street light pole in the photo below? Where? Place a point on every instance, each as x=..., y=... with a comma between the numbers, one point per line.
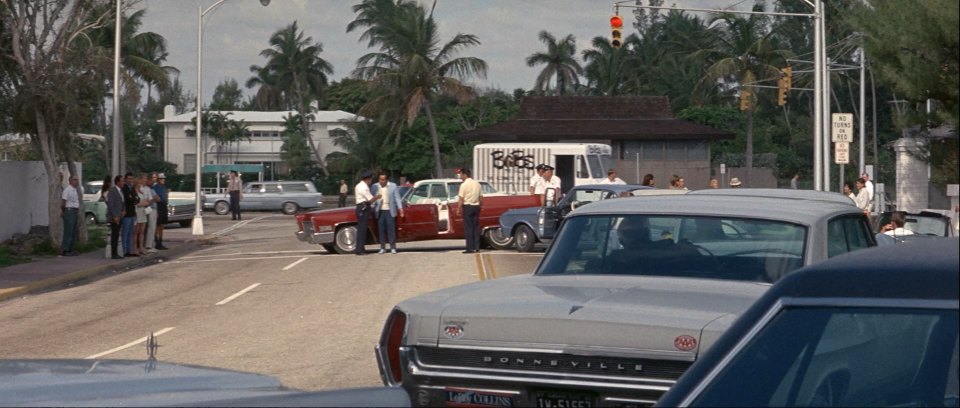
x=198, y=210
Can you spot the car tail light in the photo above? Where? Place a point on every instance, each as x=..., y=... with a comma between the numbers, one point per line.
x=391, y=341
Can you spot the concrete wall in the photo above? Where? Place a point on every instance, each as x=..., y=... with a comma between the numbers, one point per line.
x=24, y=202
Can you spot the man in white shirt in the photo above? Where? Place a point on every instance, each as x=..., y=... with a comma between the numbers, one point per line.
x=896, y=226
x=869, y=186
x=364, y=209
x=535, y=180
x=612, y=178
x=471, y=199
x=148, y=194
x=547, y=182
x=70, y=207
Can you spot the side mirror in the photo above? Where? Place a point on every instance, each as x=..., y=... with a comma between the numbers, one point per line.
x=550, y=198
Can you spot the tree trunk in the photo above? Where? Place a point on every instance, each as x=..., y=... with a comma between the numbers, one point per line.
x=438, y=165
x=48, y=151
x=749, y=152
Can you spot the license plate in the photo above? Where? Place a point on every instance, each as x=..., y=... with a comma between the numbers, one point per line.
x=562, y=399
x=458, y=397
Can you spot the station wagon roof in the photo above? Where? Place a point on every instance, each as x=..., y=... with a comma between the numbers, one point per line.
x=805, y=212
x=778, y=193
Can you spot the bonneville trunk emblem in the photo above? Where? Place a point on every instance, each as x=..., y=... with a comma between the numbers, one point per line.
x=453, y=331
x=685, y=343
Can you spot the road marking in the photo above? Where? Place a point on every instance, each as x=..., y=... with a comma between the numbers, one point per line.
x=493, y=271
x=128, y=345
x=240, y=259
x=480, y=268
x=240, y=225
x=251, y=253
x=289, y=267
x=236, y=295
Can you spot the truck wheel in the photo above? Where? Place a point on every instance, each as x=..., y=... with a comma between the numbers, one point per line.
x=495, y=238
x=345, y=241
x=525, y=238
x=91, y=219
x=290, y=208
x=221, y=208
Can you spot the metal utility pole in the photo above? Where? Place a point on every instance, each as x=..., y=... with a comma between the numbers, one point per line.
x=117, y=121
x=817, y=98
x=863, y=110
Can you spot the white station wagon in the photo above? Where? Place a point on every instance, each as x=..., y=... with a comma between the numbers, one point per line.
x=627, y=296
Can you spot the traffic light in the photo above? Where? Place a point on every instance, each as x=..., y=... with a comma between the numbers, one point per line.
x=616, y=31
x=744, y=99
x=783, y=85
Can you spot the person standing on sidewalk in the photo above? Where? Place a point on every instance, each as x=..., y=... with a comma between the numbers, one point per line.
x=343, y=194
x=146, y=190
x=70, y=207
x=386, y=211
x=234, y=189
x=115, y=204
x=471, y=199
x=160, y=189
x=365, y=199
x=130, y=200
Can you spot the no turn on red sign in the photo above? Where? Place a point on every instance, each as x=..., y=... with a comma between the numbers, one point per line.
x=842, y=127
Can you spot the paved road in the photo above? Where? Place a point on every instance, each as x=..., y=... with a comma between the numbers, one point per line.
x=257, y=301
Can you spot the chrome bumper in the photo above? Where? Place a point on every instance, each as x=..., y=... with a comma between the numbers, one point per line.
x=317, y=238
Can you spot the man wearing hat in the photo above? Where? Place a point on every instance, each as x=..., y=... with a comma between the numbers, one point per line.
x=160, y=189
x=547, y=182
x=365, y=200
x=536, y=179
x=612, y=178
x=735, y=183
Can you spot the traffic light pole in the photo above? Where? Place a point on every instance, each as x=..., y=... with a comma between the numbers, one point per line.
x=820, y=143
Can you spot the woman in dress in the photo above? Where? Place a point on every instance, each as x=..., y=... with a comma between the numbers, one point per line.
x=863, y=196
x=141, y=218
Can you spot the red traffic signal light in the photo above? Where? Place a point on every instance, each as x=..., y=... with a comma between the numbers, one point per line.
x=616, y=31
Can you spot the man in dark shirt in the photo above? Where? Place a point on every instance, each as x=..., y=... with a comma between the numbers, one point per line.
x=115, y=213
x=130, y=200
x=160, y=189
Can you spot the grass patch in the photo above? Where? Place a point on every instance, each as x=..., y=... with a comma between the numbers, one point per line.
x=44, y=247
x=96, y=239
x=8, y=257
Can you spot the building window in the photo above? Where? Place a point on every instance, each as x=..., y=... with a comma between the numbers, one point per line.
x=697, y=150
x=675, y=150
x=652, y=151
x=629, y=149
x=189, y=163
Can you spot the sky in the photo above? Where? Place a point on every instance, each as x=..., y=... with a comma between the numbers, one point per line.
x=236, y=32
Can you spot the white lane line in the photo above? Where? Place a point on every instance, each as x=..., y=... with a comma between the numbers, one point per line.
x=239, y=225
x=253, y=253
x=128, y=345
x=289, y=267
x=241, y=259
x=236, y=295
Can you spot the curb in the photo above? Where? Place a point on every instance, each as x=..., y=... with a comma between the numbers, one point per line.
x=116, y=268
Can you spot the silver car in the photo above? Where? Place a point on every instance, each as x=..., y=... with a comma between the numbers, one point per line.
x=629, y=293
x=286, y=196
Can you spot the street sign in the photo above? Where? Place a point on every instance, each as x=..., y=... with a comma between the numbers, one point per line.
x=841, y=153
x=842, y=125
x=723, y=168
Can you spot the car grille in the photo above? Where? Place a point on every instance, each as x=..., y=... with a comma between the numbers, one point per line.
x=180, y=210
x=553, y=363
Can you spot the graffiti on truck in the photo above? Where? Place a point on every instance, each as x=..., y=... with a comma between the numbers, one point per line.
x=517, y=159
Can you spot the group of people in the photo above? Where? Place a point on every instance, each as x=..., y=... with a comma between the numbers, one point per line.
x=863, y=195
x=137, y=212
x=382, y=201
x=543, y=180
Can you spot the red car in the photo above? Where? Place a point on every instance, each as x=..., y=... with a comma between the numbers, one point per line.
x=427, y=216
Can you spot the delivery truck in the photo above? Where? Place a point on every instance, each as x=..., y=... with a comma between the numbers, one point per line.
x=508, y=167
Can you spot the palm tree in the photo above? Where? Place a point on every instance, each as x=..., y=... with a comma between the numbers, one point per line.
x=294, y=67
x=744, y=54
x=606, y=66
x=412, y=67
x=560, y=60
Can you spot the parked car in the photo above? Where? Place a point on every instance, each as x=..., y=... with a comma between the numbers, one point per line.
x=286, y=196
x=529, y=226
x=931, y=223
x=627, y=296
x=427, y=216
x=873, y=328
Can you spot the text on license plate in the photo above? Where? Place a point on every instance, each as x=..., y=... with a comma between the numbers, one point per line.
x=551, y=399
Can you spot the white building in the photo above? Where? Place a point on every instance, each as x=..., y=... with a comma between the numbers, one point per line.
x=263, y=148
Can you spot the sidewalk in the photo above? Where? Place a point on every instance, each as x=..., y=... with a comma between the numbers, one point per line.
x=53, y=271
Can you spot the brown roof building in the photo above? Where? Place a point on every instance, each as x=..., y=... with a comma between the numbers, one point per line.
x=645, y=136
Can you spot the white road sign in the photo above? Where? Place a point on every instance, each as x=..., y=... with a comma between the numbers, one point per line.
x=841, y=153
x=842, y=125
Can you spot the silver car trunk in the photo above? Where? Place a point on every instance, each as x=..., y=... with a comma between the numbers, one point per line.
x=630, y=315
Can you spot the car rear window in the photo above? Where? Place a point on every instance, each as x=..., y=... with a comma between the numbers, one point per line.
x=677, y=245
x=295, y=187
x=836, y=356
